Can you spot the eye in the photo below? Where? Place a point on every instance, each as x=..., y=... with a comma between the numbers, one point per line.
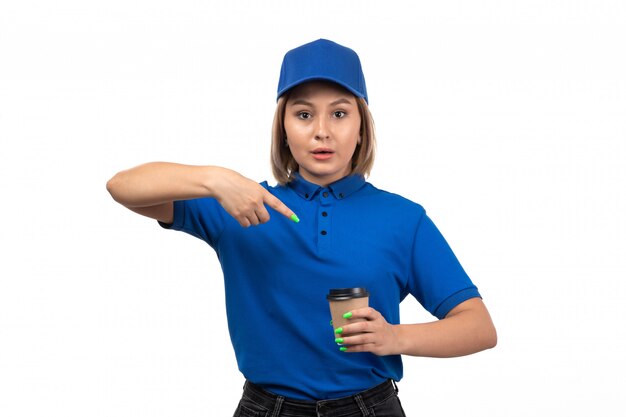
x=339, y=114
x=304, y=115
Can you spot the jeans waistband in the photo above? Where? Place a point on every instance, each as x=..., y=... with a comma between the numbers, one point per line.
x=362, y=401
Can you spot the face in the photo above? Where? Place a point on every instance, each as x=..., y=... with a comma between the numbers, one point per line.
x=322, y=123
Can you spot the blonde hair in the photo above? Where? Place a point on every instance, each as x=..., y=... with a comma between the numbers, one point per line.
x=283, y=163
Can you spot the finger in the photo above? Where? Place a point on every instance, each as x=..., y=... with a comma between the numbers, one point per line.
x=244, y=222
x=367, y=313
x=360, y=339
x=360, y=327
x=279, y=206
x=253, y=219
x=367, y=347
x=262, y=214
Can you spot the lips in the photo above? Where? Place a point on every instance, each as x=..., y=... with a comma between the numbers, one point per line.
x=322, y=153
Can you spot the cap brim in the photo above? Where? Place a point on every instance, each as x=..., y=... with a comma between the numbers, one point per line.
x=318, y=78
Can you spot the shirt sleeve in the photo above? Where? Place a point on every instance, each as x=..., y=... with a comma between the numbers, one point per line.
x=203, y=218
x=437, y=279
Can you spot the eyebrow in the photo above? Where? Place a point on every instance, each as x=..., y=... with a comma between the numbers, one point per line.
x=308, y=103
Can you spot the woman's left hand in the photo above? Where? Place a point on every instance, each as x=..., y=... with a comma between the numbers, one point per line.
x=376, y=335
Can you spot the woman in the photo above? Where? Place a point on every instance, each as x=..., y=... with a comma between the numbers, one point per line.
x=323, y=226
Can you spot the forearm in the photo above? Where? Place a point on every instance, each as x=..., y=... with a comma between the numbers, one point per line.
x=160, y=182
x=460, y=333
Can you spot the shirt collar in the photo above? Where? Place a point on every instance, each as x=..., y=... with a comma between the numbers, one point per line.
x=340, y=189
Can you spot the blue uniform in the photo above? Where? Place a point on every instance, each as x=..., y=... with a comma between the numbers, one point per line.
x=277, y=275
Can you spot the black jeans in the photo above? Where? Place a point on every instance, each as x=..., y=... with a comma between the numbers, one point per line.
x=380, y=401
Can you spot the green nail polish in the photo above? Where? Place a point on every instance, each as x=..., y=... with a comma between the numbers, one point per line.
x=343, y=348
x=331, y=322
x=339, y=340
x=295, y=218
x=339, y=330
x=347, y=315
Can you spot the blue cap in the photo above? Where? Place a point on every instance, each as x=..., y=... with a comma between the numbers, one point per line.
x=322, y=60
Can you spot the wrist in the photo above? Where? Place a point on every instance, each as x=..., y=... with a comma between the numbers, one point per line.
x=401, y=336
x=211, y=179
x=407, y=338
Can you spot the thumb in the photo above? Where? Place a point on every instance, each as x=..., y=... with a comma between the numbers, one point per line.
x=279, y=206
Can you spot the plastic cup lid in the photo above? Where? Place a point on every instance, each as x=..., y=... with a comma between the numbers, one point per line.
x=338, y=294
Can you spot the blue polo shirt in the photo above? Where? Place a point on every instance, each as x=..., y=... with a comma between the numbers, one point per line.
x=277, y=275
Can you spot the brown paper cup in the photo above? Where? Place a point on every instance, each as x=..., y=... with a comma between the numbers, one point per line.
x=342, y=300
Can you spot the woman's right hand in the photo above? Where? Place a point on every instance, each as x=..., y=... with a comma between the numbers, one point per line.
x=245, y=199
x=150, y=189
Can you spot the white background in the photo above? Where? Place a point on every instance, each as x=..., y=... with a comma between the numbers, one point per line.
x=505, y=120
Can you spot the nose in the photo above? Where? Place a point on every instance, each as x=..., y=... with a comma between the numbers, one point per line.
x=322, y=129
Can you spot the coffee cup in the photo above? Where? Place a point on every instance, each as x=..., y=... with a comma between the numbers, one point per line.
x=343, y=300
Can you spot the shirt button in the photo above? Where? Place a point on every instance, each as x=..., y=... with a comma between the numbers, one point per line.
x=324, y=214
x=306, y=196
x=323, y=232
x=325, y=194
x=340, y=195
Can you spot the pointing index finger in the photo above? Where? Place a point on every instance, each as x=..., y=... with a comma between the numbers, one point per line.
x=280, y=207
